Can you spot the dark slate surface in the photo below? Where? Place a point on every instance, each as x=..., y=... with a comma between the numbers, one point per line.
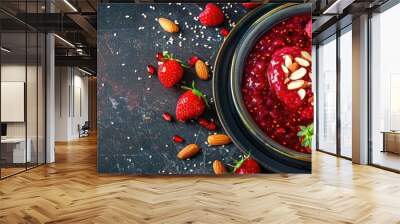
x=133, y=138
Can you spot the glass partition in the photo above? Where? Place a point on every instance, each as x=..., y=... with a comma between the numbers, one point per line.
x=13, y=109
x=22, y=77
x=385, y=89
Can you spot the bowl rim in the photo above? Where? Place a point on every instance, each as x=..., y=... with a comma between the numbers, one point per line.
x=255, y=31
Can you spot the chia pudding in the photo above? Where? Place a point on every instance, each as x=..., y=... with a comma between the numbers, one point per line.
x=276, y=85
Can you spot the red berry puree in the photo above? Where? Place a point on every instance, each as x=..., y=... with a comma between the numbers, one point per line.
x=277, y=82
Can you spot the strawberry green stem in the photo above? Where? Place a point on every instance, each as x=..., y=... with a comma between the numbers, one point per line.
x=196, y=92
x=240, y=162
x=169, y=56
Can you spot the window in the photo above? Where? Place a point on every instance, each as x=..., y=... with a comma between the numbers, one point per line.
x=346, y=92
x=385, y=89
x=327, y=95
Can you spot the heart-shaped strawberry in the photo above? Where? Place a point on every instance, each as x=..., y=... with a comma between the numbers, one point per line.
x=190, y=105
x=170, y=70
x=212, y=15
x=247, y=166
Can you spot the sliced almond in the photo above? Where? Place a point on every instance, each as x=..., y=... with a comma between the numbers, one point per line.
x=297, y=84
x=286, y=81
x=293, y=67
x=301, y=93
x=288, y=60
x=306, y=55
x=302, y=62
x=298, y=74
x=285, y=70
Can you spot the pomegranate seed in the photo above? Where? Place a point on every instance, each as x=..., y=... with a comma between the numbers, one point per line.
x=193, y=60
x=203, y=122
x=224, y=32
x=209, y=125
x=159, y=56
x=150, y=69
x=167, y=117
x=212, y=126
x=178, y=139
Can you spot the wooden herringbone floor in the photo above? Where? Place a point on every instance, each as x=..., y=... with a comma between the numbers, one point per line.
x=70, y=191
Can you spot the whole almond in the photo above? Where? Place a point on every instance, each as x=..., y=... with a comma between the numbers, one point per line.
x=218, y=167
x=188, y=151
x=218, y=139
x=201, y=70
x=168, y=25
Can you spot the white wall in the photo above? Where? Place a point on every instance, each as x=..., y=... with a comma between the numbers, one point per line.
x=16, y=73
x=71, y=102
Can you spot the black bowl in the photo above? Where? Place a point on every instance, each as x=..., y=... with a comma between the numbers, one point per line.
x=246, y=44
x=227, y=113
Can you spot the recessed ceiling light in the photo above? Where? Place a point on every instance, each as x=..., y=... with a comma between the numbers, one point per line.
x=84, y=71
x=338, y=6
x=5, y=50
x=70, y=5
x=64, y=40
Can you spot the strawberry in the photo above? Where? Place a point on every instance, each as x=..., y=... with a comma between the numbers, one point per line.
x=247, y=166
x=190, y=105
x=250, y=5
x=212, y=15
x=170, y=70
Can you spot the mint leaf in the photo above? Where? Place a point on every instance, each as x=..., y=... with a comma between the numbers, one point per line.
x=306, y=134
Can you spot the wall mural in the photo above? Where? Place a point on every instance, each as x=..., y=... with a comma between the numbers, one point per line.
x=210, y=88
